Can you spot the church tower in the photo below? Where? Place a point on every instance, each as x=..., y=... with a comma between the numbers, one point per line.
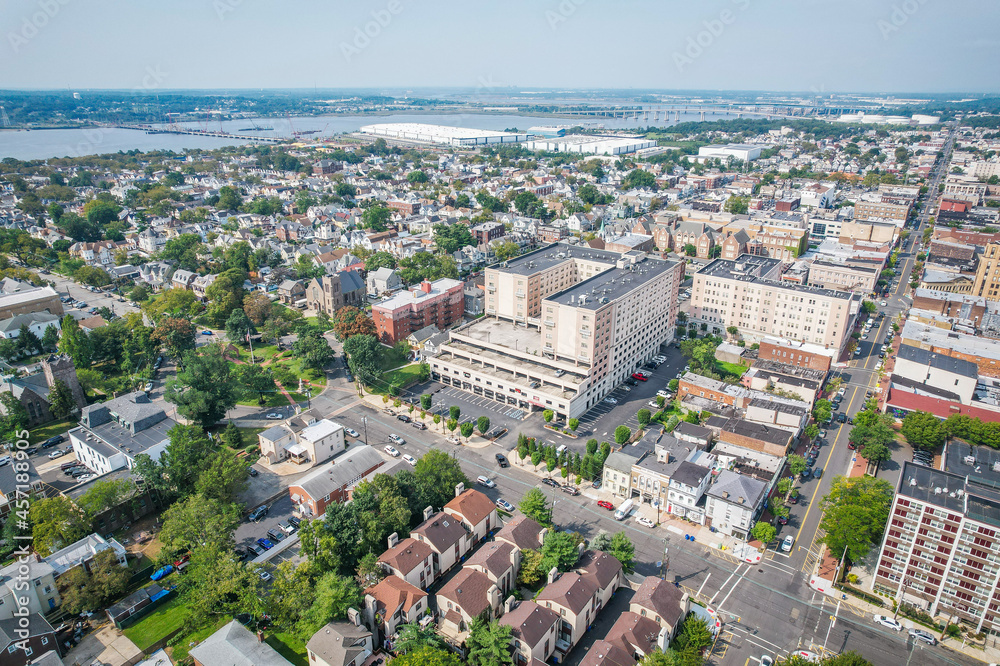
x=60, y=366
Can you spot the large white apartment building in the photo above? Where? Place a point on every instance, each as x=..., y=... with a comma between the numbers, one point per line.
x=564, y=325
x=748, y=293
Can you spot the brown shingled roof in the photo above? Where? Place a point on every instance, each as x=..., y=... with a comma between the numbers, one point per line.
x=441, y=531
x=530, y=622
x=571, y=590
x=599, y=566
x=406, y=555
x=468, y=589
x=472, y=505
x=494, y=556
x=661, y=598
x=522, y=532
x=634, y=632
x=603, y=653
x=392, y=593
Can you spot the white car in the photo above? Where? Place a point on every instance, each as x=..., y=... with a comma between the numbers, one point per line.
x=57, y=454
x=86, y=477
x=273, y=416
x=663, y=392
x=391, y=450
x=611, y=401
x=653, y=404
x=882, y=304
x=786, y=544
x=352, y=432
x=410, y=459
x=645, y=522
x=397, y=439
x=886, y=621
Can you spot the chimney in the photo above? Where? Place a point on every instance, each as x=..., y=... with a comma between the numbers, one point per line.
x=510, y=604
x=579, y=550
x=393, y=539
x=428, y=512
x=426, y=287
x=354, y=616
x=459, y=489
x=553, y=574
x=541, y=535
x=493, y=594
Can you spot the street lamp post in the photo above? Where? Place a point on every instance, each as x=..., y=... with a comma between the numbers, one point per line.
x=364, y=420
x=902, y=590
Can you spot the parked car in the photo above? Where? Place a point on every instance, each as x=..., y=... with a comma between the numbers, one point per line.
x=640, y=377
x=403, y=417
x=502, y=460
x=397, y=439
x=596, y=484
x=782, y=520
x=571, y=490
x=148, y=387
x=257, y=513
x=551, y=482
x=486, y=481
x=252, y=471
x=410, y=459
x=611, y=401
x=605, y=504
x=295, y=521
x=206, y=332
x=664, y=393
x=645, y=522
x=353, y=433
x=818, y=472
x=418, y=425
x=391, y=450
x=52, y=441
x=273, y=416
x=886, y=621
x=923, y=636
x=786, y=544
x=275, y=535
x=505, y=505
x=286, y=527
x=266, y=544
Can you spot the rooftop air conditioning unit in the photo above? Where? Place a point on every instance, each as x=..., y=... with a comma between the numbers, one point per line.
x=969, y=460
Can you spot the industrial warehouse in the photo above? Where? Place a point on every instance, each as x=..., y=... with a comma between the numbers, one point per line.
x=442, y=134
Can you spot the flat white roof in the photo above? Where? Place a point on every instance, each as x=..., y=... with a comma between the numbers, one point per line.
x=444, y=131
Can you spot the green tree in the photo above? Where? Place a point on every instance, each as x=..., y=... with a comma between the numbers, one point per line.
x=314, y=350
x=364, y=356
x=291, y=595
x=643, y=417
x=796, y=464
x=239, y=328
x=75, y=343
x=375, y=218
x=622, y=435
x=425, y=402
x=427, y=656
x=737, y=205
x=199, y=522
x=531, y=568
x=876, y=453
x=224, y=477
x=466, y=429
x=639, y=179
x=455, y=412
x=377, y=260
x=573, y=424
x=56, y=522
x=763, y=532
x=225, y=294
x=335, y=594
x=319, y=544
x=412, y=637
x=559, y=550
x=82, y=590
x=61, y=401
x=452, y=238
x=694, y=635
x=822, y=411
x=690, y=250
x=254, y=381
x=548, y=415
x=258, y=308
x=229, y=198
x=488, y=643
x=535, y=505
x=855, y=514
x=436, y=474
x=50, y=339
x=176, y=335
x=204, y=390
x=618, y=546
x=923, y=430
x=483, y=424
x=349, y=321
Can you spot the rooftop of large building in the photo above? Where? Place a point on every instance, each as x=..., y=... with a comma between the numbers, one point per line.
x=951, y=364
x=750, y=268
x=410, y=297
x=612, y=284
x=553, y=255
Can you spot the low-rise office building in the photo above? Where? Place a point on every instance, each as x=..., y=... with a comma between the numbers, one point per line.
x=112, y=434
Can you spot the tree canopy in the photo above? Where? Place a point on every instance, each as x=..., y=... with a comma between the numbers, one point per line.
x=855, y=514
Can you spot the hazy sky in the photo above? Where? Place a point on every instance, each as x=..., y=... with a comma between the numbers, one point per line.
x=802, y=45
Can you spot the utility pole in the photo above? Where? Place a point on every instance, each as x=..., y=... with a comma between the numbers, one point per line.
x=364, y=420
x=833, y=621
x=250, y=342
x=902, y=589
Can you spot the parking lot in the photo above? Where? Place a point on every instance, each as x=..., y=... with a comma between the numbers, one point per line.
x=278, y=511
x=472, y=406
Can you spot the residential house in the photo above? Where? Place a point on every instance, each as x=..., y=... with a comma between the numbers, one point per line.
x=604, y=570
x=201, y=284
x=665, y=603
x=182, y=279
x=334, y=481
x=234, y=644
x=291, y=291
x=447, y=537
x=341, y=643
x=523, y=533
x=477, y=512
x=468, y=595
x=574, y=598
x=36, y=322
x=409, y=560
x=606, y=653
x=42, y=594
x=393, y=602
x=24, y=639
x=533, y=631
x=734, y=502
x=303, y=440
x=687, y=486
x=383, y=281
x=637, y=635
x=500, y=561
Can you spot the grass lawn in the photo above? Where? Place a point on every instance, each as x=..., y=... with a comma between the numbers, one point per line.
x=154, y=627
x=408, y=374
x=392, y=358
x=179, y=652
x=731, y=368
x=290, y=647
x=51, y=429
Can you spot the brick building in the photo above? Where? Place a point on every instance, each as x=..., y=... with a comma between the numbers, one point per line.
x=404, y=207
x=334, y=482
x=440, y=303
x=793, y=353
x=756, y=437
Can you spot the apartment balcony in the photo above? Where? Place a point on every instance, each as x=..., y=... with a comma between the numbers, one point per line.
x=584, y=333
x=519, y=293
x=549, y=323
x=491, y=288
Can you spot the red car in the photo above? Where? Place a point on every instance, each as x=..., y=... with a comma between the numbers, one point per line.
x=605, y=504
x=641, y=377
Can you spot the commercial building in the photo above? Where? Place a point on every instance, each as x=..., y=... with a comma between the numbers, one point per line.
x=984, y=352
x=883, y=210
x=748, y=293
x=442, y=134
x=939, y=552
x=592, y=145
x=112, y=434
x=564, y=325
x=30, y=301
x=843, y=276
x=987, y=281
x=440, y=303
x=742, y=151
